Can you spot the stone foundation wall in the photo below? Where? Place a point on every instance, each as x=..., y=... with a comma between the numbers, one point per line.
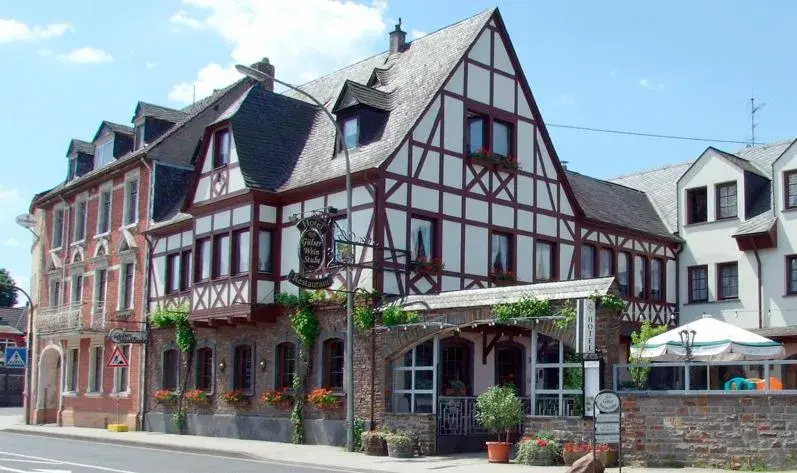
x=564, y=429
x=422, y=425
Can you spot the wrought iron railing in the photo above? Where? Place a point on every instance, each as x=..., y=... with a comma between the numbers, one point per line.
x=716, y=377
x=69, y=317
x=99, y=315
x=457, y=416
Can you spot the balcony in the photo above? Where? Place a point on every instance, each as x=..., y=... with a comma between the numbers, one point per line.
x=69, y=318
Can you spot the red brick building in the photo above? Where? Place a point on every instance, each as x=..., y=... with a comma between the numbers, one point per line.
x=94, y=257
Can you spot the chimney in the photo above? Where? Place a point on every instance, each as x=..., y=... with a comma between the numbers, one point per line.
x=397, y=39
x=266, y=67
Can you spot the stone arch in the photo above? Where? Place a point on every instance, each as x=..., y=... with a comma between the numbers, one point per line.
x=49, y=384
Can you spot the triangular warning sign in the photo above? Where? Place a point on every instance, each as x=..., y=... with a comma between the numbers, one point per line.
x=118, y=359
x=16, y=361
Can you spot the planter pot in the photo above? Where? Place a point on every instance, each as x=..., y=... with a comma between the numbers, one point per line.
x=375, y=447
x=400, y=450
x=571, y=457
x=499, y=452
x=609, y=459
x=544, y=458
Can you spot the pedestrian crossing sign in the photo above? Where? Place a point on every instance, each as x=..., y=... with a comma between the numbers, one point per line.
x=15, y=358
x=118, y=359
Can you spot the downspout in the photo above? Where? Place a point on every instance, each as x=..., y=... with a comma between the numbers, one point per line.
x=31, y=339
x=142, y=375
x=64, y=246
x=759, y=276
x=373, y=376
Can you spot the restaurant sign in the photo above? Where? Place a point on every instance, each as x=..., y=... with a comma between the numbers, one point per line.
x=313, y=255
x=121, y=336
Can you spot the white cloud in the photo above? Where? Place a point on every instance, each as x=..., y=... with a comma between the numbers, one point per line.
x=8, y=193
x=646, y=84
x=415, y=34
x=298, y=37
x=11, y=242
x=181, y=18
x=12, y=30
x=86, y=55
x=566, y=99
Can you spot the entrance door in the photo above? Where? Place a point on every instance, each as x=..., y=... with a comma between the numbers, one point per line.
x=509, y=366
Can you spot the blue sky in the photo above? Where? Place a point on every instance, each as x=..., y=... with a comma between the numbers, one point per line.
x=678, y=67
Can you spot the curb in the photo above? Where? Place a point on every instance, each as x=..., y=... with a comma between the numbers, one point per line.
x=137, y=443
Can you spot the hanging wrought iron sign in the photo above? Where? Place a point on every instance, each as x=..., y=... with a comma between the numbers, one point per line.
x=313, y=253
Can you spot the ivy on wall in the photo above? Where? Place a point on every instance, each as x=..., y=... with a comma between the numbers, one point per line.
x=608, y=301
x=186, y=340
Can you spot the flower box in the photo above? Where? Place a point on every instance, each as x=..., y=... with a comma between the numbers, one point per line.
x=237, y=399
x=427, y=266
x=374, y=444
x=278, y=399
x=486, y=158
x=197, y=397
x=324, y=399
x=165, y=397
x=504, y=278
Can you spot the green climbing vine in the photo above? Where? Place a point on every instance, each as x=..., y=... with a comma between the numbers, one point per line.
x=608, y=301
x=527, y=307
x=638, y=339
x=186, y=340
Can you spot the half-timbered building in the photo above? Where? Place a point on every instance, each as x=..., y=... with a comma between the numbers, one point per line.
x=458, y=199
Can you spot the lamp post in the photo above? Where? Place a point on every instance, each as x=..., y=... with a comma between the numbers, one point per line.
x=688, y=341
x=261, y=76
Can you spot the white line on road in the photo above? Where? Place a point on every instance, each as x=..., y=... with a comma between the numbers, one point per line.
x=12, y=470
x=63, y=462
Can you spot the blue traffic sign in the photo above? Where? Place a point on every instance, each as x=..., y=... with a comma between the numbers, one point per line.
x=15, y=357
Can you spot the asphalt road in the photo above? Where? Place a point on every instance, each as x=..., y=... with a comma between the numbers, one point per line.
x=37, y=454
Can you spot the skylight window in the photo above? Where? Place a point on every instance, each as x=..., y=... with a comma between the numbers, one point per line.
x=103, y=154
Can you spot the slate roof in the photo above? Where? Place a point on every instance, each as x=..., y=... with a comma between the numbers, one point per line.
x=270, y=131
x=759, y=224
x=661, y=184
x=415, y=74
x=616, y=204
x=354, y=94
x=144, y=109
x=15, y=317
x=115, y=128
x=80, y=146
x=577, y=289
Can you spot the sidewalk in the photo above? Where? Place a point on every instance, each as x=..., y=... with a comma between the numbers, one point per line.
x=311, y=455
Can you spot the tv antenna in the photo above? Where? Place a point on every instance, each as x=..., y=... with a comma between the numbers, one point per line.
x=753, y=110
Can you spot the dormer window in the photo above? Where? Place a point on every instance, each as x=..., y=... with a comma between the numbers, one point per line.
x=139, y=139
x=351, y=132
x=103, y=153
x=697, y=203
x=221, y=148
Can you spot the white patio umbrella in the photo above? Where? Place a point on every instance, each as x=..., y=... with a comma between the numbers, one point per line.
x=711, y=340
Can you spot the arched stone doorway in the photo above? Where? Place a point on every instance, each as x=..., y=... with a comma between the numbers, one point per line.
x=48, y=394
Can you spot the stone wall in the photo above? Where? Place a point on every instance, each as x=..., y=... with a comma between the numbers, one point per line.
x=424, y=426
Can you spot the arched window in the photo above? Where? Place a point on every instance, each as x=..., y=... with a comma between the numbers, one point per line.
x=509, y=366
x=413, y=379
x=285, y=365
x=332, y=377
x=456, y=367
x=242, y=368
x=204, y=369
x=171, y=369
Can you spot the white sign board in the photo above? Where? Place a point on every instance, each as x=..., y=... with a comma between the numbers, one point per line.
x=613, y=428
x=607, y=438
x=586, y=325
x=592, y=384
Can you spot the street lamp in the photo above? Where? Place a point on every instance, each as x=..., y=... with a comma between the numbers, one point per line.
x=688, y=341
x=261, y=76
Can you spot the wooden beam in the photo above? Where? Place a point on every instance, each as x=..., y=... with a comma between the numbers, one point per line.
x=487, y=348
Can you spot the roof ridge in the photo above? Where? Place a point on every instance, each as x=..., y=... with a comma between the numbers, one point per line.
x=646, y=171
x=605, y=181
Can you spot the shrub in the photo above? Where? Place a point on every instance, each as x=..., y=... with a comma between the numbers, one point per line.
x=540, y=449
x=499, y=409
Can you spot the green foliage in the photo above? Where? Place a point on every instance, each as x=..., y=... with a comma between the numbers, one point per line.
x=178, y=419
x=527, y=307
x=638, y=340
x=574, y=377
x=541, y=449
x=608, y=302
x=297, y=421
x=305, y=324
x=499, y=409
x=177, y=318
x=393, y=315
x=364, y=318
x=8, y=293
x=359, y=426
x=568, y=314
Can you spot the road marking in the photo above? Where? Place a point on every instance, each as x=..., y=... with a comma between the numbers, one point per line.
x=64, y=462
x=12, y=470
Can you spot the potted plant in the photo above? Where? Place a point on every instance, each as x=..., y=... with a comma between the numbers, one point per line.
x=572, y=451
x=541, y=450
x=279, y=399
x=499, y=410
x=400, y=445
x=606, y=454
x=323, y=399
x=374, y=443
x=236, y=397
x=197, y=397
x=165, y=397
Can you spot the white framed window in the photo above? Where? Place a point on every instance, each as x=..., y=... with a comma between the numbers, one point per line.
x=103, y=153
x=139, y=138
x=72, y=365
x=55, y=292
x=100, y=290
x=81, y=208
x=351, y=133
x=557, y=387
x=96, y=362
x=121, y=376
x=131, y=202
x=104, y=206
x=415, y=379
x=58, y=228
x=77, y=288
x=127, y=274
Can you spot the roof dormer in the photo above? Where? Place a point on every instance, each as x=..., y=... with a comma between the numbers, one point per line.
x=111, y=141
x=362, y=113
x=152, y=121
x=81, y=158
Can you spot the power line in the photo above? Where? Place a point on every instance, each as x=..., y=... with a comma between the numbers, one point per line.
x=648, y=135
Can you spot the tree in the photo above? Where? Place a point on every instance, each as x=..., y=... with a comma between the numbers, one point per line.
x=638, y=340
x=8, y=293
